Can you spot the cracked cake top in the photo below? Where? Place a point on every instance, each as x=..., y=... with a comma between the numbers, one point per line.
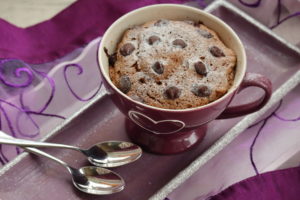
x=172, y=64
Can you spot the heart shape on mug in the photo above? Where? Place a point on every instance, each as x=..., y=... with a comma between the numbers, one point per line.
x=158, y=127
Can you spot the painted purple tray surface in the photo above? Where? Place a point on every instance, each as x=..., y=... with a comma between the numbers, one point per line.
x=34, y=178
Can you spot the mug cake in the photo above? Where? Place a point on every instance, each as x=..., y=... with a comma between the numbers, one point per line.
x=172, y=64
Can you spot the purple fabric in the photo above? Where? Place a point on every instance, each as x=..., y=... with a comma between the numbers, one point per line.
x=33, y=111
x=277, y=185
x=75, y=26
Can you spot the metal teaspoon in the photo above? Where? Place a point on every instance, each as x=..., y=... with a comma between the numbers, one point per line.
x=88, y=179
x=104, y=154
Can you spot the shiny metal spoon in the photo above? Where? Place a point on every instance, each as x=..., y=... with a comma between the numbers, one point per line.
x=104, y=154
x=89, y=179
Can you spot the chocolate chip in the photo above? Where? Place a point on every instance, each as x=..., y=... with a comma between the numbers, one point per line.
x=180, y=43
x=215, y=51
x=201, y=91
x=125, y=84
x=158, y=67
x=161, y=22
x=172, y=93
x=200, y=68
x=204, y=33
x=152, y=39
x=127, y=49
x=111, y=58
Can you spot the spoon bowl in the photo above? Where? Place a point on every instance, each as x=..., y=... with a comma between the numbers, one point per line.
x=113, y=153
x=97, y=181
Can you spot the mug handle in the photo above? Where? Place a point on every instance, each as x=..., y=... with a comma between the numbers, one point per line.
x=250, y=79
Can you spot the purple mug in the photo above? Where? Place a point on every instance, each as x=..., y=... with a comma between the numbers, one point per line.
x=169, y=131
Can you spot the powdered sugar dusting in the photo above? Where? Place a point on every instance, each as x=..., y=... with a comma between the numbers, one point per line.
x=177, y=59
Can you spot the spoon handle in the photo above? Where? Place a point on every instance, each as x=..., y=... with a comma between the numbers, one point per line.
x=29, y=143
x=4, y=136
